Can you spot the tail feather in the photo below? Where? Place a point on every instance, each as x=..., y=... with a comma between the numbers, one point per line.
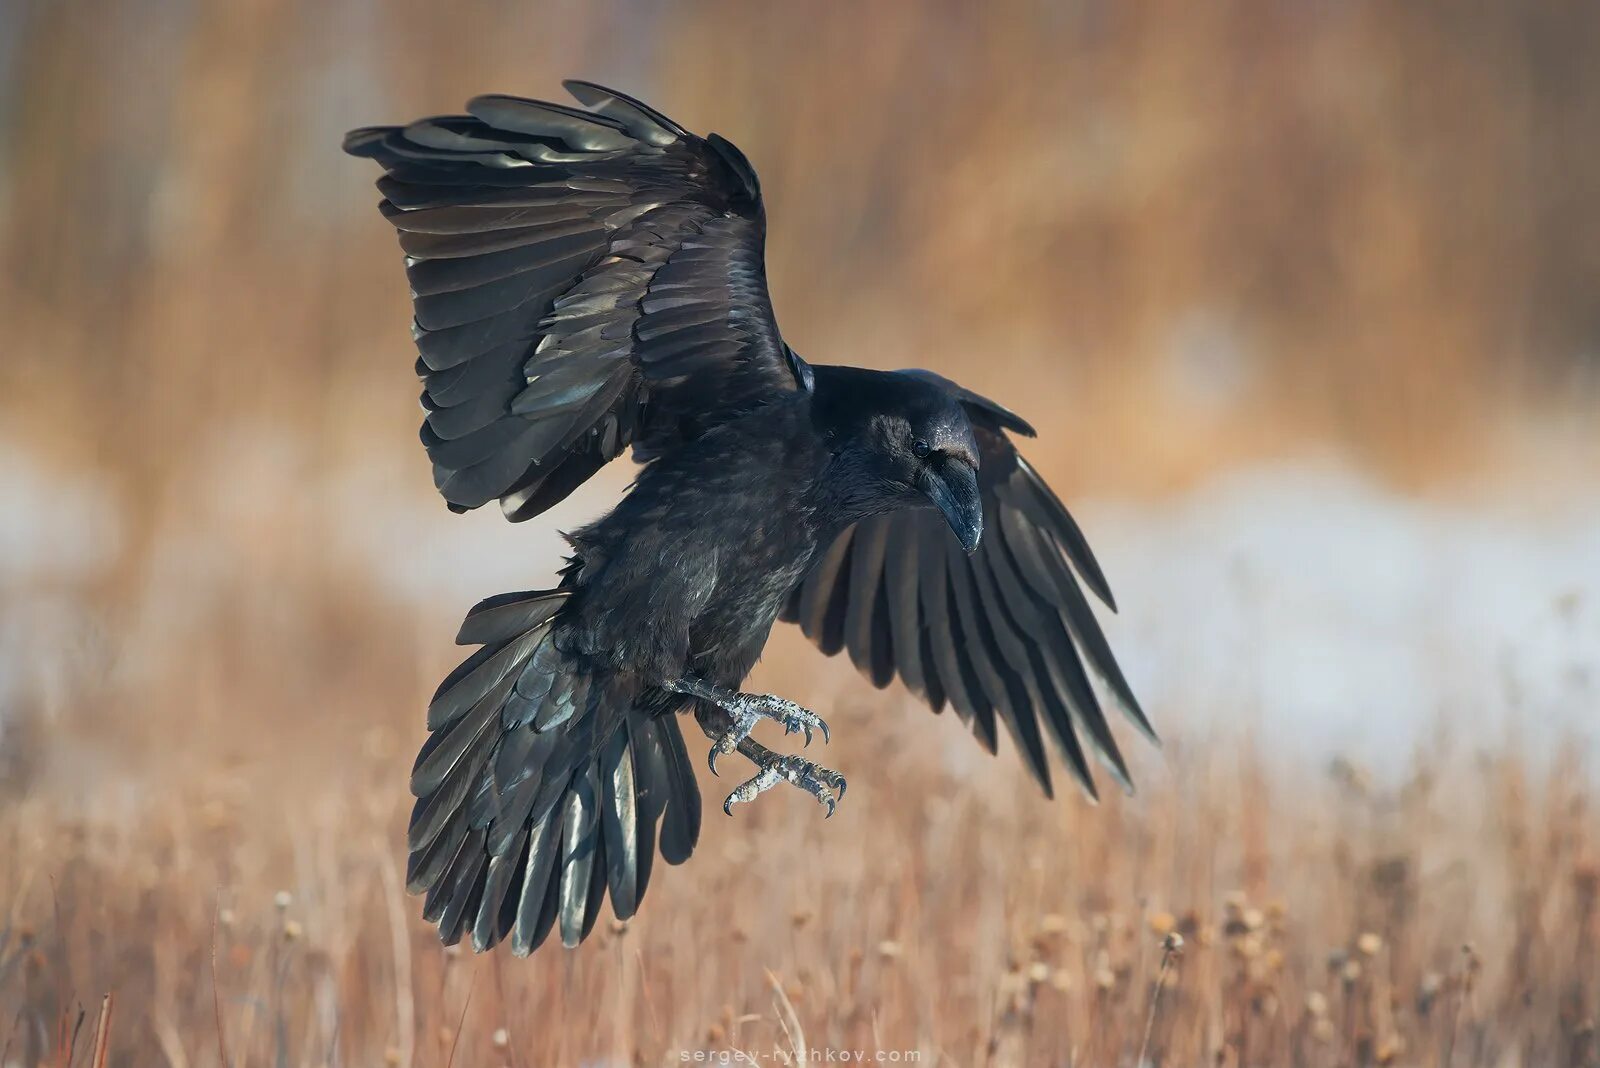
x=502, y=618
x=581, y=847
x=442, y=756
x=539, y=893
x=483, y=673
x=542, y=789
x=427, y=863
x=679, y=791
x=497, y=912
x=620, y=822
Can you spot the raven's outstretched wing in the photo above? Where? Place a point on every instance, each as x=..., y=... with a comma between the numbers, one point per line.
x=582, y=281
x=1002, y=633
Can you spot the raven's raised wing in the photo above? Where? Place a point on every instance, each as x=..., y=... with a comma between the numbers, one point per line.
x=1003, y=633
x=582, y=281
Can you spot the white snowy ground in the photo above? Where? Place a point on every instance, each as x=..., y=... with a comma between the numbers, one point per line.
x=1354, y=620
x=1301, y=601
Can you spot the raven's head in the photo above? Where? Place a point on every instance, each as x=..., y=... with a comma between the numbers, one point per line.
x=899, y=442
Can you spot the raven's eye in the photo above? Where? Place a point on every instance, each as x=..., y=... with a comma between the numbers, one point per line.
x=921, y=448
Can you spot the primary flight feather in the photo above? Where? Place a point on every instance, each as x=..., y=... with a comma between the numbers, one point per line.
x=588, y=281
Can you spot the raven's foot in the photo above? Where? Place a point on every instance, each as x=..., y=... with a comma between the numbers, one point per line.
x=825, y=785
x=745, y=710
x=748, y=709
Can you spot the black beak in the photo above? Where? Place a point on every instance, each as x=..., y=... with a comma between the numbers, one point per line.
x=953, y=488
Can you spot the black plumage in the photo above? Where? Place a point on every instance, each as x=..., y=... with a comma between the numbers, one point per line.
x=591, y=281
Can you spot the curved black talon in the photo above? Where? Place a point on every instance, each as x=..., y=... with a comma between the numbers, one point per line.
x=821, y=783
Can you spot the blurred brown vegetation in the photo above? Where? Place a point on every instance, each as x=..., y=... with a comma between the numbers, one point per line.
x=1179, y=236
x=1193, y=230
x=257, y=918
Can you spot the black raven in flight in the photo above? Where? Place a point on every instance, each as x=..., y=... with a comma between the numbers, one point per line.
x=589, y=281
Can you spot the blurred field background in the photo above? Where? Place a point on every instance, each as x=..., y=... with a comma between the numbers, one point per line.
x=1306, y=298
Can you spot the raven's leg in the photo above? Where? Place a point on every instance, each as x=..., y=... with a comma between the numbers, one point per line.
x=746, y=710
x=821, y=783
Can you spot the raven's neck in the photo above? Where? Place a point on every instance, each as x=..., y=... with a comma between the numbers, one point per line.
x=848, y=487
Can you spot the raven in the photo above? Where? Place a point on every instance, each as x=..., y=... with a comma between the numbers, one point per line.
x=591, y=280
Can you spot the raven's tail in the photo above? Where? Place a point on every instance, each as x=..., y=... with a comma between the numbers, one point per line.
x=540, y=787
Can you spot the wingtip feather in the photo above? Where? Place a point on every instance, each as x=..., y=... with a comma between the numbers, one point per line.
x=364, y=140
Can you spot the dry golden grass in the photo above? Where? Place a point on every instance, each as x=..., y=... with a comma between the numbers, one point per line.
x=241, y=900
